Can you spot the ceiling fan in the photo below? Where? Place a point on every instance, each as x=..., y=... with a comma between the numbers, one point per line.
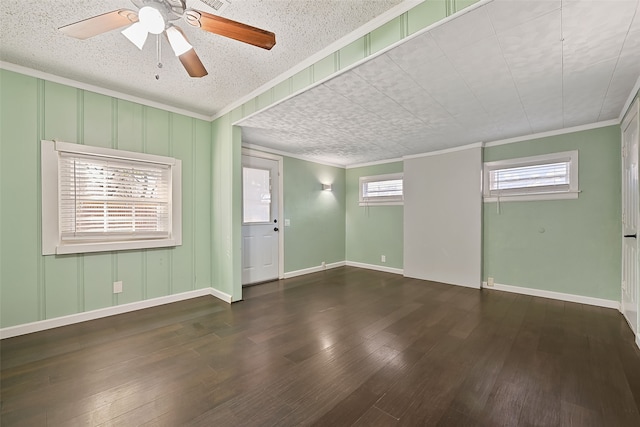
x=157, y=17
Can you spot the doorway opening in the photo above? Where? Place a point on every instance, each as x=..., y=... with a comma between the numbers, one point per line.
x=262, y=205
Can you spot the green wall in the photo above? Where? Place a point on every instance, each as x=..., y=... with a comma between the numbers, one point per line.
x=570, y=246
x=227, y=145
x=317, y=230
x=374, y=230
x=225, y=218
x=35, y=287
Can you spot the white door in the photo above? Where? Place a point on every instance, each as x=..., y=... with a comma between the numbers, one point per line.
x=630, y=193
x=260, y=220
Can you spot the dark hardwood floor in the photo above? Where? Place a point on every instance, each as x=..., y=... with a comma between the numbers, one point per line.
x=339, y=348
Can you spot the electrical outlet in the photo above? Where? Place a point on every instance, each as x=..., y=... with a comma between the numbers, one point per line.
x=324, y=265
x=383, y=258
x=490, y=282
x=117, y=287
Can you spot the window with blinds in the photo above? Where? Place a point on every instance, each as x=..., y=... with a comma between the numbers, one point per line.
x=113, y=199
x=96, y=199
x=381, y=190
x=549, y=176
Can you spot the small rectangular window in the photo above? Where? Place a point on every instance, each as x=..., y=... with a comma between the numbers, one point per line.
x=97, y=199
x=550, y=176
x=381, y=190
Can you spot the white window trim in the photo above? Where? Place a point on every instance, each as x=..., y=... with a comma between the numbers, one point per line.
x=51, y=239
x=563, y=156
x=382, y=201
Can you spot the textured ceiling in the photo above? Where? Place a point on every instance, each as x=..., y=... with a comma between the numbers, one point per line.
x=506, y=69
x=29, y=38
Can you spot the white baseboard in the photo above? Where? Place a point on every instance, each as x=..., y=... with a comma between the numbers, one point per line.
x=556, y=295
x=638, y=340
x=41, y=325
x=220, y=295
x=290, y=274
x=375, y=267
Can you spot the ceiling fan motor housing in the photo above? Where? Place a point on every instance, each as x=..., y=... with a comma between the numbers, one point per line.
x=171, y=10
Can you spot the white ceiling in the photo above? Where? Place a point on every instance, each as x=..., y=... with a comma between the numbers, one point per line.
x=29, y=38
x=506, y=69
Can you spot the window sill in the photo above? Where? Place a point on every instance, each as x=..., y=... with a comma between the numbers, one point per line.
x=532, y=197
x=79, y=248
x=398, y=203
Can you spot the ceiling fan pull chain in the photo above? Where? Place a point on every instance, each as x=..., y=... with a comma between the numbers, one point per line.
x=159, y=54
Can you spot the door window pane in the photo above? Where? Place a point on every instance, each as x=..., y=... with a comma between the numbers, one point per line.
x=256, y=194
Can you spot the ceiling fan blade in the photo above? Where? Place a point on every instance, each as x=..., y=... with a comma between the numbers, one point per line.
x=191, y=62
x=100, y=24
x=231, y=29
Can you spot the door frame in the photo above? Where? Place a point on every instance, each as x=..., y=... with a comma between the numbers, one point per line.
x=632, y=112
x=263, y=155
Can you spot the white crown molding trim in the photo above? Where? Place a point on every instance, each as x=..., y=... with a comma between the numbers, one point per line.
x=377, y=162
x=382, y=268
x=71, y=319
x=284, y=153
x=260, y=153
x=100, y=90
x=632, y=96
x=375, y=23
x=290, y=274
x=445, y=151
x=599, y=302
x=556, y=132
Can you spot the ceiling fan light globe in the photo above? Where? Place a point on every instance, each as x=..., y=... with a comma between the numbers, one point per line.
x=136, y=34
x=151, y=19
x=178, y=42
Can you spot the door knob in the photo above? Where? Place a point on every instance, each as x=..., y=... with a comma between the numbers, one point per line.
x=275, y=228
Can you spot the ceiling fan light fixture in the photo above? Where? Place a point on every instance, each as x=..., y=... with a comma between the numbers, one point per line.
x=178, y=41
x=151, y=19
x=136, y=34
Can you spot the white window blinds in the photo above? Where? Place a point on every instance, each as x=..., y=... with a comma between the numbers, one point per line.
x=113, y=199
x=381, y=189
x=389, y=188
x=549, y=177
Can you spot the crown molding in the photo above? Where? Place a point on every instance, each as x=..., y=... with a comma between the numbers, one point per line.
x=294, y=156
x=445, y=151
x=632, y=96
x=375, y=163
x=97, y=89
x=556, y=132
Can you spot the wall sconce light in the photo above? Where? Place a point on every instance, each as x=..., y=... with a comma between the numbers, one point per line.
x=326, y=187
